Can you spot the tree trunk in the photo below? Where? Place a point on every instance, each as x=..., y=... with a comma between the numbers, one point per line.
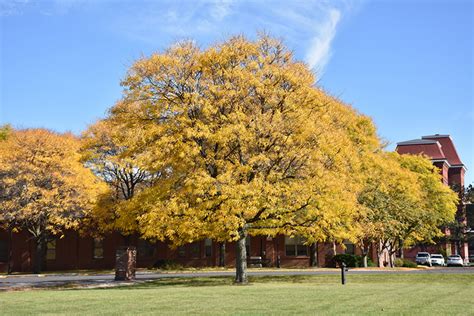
x=391, y=259
x=364, y=260
x=39, y=255
x=241, y=259
x=10, y=251
x=313, y=255
x=380, y=259
x=222, y=254
x=365, y=252
x=380, y=253
x=401, y=245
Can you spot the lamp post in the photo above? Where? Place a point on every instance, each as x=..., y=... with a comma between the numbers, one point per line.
x=343, y=273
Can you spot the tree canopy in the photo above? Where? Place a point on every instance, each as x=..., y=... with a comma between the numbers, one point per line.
x=44, y=187
x=402, y=203
x=244, y=143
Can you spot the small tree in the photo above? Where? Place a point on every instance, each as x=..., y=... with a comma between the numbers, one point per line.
x=45, y=189
x=403, y=202
x=5, y=130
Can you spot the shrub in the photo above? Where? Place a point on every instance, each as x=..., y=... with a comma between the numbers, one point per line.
x=164, y=264
x=360, y=261
x=409, y=264
x=404, y=263
x=370, y=263
x=350, y=260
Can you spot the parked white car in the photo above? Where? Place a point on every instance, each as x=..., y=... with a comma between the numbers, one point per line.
x=455, y=260
x=423, y=258
x=437, y=260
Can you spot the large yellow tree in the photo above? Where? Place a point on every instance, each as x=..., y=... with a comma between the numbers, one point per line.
x=248, y=144
x=44, y=187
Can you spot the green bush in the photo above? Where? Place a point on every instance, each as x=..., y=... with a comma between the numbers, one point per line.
x=404, y=263
x=370, y=263
x=167, y=265
x=409, y=264
x=352, y=261
x=398, y=262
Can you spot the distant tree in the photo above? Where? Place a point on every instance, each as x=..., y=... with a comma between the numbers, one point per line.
x=5, y=130
x=404, y=202
x=8, y=224
x=469, y=194
x=248, y=144
x=44, y=188
x=459, y=226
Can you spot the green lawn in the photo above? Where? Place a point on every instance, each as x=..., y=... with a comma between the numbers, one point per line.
x=425, y=294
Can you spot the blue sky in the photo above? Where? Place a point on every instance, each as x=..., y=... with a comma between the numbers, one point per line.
x=407, y=64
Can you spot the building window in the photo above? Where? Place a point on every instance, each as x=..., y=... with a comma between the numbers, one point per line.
x=181, y=251
x=195, y=249
x=51, y=250
x=145, y=248
x=350, y=248
x=208, y=247
x=98, y=248
x=247, y=245
x=294, y=246
x=3, y=251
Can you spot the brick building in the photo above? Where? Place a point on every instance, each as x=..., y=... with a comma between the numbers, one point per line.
x=75, y=252
x=443, y=154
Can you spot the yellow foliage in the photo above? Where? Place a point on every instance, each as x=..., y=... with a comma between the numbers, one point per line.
x=403, y=201
x=243, y=141
x=45, y=189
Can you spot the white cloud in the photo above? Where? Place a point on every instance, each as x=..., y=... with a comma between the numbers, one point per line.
x=220, y=9
x=12, y=7
x=319, y=51
x=152, y=21
x=308, y=27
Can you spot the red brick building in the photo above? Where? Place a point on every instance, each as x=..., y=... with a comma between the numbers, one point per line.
x=75, y=252
x=443, y=154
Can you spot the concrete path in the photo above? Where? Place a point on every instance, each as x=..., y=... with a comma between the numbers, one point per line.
x=107, y=280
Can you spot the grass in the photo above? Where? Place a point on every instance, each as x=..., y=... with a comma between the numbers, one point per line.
x=398, y=294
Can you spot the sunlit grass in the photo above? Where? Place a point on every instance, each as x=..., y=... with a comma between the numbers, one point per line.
x=322, y=294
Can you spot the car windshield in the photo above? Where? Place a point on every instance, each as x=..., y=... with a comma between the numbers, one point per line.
x=422, y=255
x=437, y=256
x=455, y=257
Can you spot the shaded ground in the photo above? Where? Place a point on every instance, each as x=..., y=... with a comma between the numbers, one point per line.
x=107, y=279
x=396, y=293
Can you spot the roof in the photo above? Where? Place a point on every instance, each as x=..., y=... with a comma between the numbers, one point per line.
x=448, y=148
x=435, y=136
x=416, y=147
x=437, y=147
x=417, y=141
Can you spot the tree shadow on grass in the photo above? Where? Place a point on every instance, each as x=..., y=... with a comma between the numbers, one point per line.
x=175, y=282
x=168, y=281
x=221, y=281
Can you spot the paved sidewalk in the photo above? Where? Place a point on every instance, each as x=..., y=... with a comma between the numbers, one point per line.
x=13, y=282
